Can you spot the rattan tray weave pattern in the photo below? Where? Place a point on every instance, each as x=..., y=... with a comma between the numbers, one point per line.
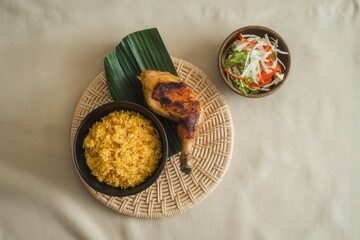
x=174, y=192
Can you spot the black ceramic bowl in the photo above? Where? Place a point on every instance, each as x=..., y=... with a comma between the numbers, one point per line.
x=259, y=31
x=82, y=132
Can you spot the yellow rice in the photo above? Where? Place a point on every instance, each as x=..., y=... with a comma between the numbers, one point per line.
x=122, y=149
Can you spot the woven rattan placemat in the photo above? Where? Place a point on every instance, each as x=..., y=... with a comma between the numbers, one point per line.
x=174, y=192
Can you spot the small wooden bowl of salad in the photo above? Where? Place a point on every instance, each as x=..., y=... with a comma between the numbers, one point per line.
x=254, y=61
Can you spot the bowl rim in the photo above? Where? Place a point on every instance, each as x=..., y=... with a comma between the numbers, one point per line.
x=228, y=41
x=93, y=116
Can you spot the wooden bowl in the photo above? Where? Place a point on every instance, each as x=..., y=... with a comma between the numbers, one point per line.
x=259, y=31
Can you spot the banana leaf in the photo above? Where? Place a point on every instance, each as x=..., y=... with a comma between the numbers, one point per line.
x=136, y=52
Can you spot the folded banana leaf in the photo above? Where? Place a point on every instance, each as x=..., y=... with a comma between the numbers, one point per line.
x=136, y=52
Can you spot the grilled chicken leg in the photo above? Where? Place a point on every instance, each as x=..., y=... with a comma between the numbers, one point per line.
x=171, y=98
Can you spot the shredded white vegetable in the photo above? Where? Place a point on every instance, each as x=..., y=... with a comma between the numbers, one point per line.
x=261, y=59
x=256, y=60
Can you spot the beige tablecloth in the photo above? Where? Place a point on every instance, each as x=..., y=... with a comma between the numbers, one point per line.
x=296, y=158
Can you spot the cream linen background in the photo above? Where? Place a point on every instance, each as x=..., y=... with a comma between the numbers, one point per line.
x=296, y=160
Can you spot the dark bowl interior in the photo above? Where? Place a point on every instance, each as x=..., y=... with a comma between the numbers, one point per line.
x=79, y=155
x=260, y=31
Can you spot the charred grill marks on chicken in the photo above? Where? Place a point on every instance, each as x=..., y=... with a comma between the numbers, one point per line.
x=183, y=103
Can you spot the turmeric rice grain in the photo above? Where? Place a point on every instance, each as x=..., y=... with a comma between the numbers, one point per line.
x=122, y=149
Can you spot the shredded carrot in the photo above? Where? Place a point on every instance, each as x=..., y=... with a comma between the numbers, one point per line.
x=267, y=48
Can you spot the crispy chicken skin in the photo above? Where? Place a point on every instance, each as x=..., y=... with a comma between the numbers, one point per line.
x=170, y=97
